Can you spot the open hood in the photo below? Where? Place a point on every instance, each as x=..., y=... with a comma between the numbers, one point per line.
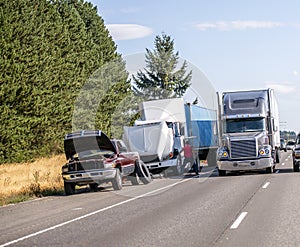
x=86, y=140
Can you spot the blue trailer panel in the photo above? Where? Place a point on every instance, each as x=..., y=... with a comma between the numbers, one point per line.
x=201, y=126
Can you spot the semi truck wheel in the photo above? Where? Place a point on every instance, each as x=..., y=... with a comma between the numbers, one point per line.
x=222, y=173
x=295, y=166
x=143, y=172
x=277, y=156
x=117, y=181
x=269, y=169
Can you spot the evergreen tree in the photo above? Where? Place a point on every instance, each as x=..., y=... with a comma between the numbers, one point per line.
x=161, y=79
x=48, y=51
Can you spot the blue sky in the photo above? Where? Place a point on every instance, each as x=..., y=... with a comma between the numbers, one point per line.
x=238, y=45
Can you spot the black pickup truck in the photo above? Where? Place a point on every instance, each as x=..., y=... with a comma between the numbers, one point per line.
x=94, y=159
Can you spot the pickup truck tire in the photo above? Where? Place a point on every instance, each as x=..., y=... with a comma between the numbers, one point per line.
x=117, y=181
x=69, y=188
x=143, y=172
x=93, y=186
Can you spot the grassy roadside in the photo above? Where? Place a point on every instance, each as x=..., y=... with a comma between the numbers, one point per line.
x=20, y=182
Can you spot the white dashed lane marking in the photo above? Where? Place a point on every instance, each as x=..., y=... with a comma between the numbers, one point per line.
x=239, y=220
x=266, y=185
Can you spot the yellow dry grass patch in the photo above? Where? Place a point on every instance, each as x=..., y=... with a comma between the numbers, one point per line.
x=40, y=177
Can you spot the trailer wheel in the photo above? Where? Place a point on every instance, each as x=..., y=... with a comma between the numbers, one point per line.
x=222, y=173
x=69, y=188
x=117, y=180
x=143, y=172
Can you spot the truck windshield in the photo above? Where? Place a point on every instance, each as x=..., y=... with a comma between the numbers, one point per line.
x=244, y=125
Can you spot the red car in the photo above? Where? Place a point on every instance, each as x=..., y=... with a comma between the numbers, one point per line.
x=94, y=159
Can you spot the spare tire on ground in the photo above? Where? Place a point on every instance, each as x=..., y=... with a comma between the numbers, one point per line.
x=143, y=172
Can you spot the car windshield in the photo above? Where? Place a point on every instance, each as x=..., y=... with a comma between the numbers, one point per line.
x=244, y=125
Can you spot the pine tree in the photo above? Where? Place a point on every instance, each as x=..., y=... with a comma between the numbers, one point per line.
x=161, y=79
x=49, y=49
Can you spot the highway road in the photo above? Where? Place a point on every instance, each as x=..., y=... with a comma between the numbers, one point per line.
x=245, y=209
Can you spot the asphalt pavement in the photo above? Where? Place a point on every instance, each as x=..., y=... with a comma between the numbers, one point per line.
x=241, y=209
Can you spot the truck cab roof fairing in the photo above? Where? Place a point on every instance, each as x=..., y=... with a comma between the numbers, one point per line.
x=246, y=103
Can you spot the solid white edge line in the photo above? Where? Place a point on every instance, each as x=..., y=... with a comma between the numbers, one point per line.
x=93, y=213
x=238, y=221
x=266, y=185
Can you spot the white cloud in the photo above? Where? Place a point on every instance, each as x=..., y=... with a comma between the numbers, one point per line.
x=283, y=87
x=295, y=73
x=128, y=31
x=237, y=25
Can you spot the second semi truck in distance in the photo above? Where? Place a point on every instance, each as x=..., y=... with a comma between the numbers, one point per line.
x=249, y=126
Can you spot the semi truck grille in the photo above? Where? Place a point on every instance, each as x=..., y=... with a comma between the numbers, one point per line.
x=243, y=149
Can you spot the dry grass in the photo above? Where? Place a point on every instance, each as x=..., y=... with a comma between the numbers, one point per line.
x=19, y=182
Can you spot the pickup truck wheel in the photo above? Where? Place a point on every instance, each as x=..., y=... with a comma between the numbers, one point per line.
x=143, y=172
x=93, y=186
x=69, y=188
x=222, y=173
x=117, y=181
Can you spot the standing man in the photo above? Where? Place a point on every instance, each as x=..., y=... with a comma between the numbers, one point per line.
x=188, y=157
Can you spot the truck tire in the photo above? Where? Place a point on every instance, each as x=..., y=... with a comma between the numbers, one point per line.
x=277, y=160
x=269, y=170
x=93, y=186
x=295, y=166
x=134, y=178
x=143, y=172
x=69, y=188
x=117, y=180
x=222, y=173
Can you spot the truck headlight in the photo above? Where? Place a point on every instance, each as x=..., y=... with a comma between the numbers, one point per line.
x=265, y=151
x=223, y=153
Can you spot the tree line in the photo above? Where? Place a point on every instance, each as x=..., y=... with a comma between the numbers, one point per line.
x=58, y=62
